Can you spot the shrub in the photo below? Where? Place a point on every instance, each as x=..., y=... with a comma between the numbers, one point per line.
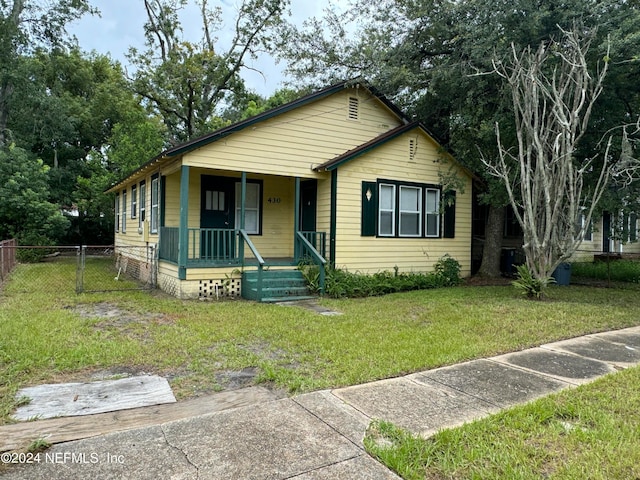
x=342, y=283
x=529, y=285
x=448, y=269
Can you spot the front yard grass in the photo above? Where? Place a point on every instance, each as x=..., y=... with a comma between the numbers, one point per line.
x=51, y=334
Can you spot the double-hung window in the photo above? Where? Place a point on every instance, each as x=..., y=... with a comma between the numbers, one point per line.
x=124, y=211
x=117, y=216
x=432, y=212
x=251, y=207
x=386, y=210
x=392, y=208
x=410, y=221
x=143, y=203
x=134, y=201
x=155, y=204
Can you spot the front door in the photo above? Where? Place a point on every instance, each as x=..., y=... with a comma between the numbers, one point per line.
x=217, y=218
x=308, y=204
x=606, y=232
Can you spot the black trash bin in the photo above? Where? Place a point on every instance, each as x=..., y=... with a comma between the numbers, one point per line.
x=507, y=259
x=562, y=274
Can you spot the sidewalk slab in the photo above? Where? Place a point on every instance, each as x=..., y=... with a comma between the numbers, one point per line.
x=616, y=354
x=566, y=367
x=497, y=384
x=360, y=468
x=275, y=440
x=135, y=454
x=628, y=336
x=418, y=407
x=334, y=412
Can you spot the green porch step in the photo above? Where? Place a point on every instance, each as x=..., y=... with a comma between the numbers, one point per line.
x=277, y=286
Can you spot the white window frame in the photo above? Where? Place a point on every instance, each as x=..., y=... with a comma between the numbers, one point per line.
x=134, y=201
x=214, y=200
x=155, y=204
x=253, y=229
x=404, y=211
x=124, y=211
x=391, y=210
x=143, y=203
x=588, y=233
x=433, y=213
x=117, y=213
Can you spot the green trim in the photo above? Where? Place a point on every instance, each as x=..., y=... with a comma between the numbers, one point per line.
x=367, y=148
x=369, y=214
x=243, y=200
x=296, y=217
x=449, y=216
x=183, y=235
x=334, y=215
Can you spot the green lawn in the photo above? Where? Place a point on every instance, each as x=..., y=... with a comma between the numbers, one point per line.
x=52, y=334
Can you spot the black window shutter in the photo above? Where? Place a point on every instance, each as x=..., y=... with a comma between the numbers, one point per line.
x=449, y=230
x=369, y=209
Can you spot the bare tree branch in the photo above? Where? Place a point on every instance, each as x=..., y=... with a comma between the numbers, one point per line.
x=553, y=95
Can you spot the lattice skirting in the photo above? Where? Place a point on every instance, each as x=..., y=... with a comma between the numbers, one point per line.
x=210, y=289
x=220, y=288
x=169, y=284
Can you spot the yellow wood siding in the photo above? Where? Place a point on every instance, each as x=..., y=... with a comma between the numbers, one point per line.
x=391, y=162
x=294, y=142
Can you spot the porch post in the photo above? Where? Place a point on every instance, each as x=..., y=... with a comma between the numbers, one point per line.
x=296, y=219
x=243, y=197
x=333, y=217
x=243, y=201
x=183, y=237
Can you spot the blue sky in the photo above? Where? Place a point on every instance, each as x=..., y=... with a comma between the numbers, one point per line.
x=120, y=27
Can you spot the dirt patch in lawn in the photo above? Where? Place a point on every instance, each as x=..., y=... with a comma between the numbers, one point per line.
x=185, y=382
x=110, y=315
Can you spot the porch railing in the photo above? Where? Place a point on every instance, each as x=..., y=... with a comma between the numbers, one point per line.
x=207, y=245
x=204, y=246
x=308, y=250
x=244, y=238
x=318, y=240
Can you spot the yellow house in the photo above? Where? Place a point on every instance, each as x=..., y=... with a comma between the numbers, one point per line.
x=339, y=177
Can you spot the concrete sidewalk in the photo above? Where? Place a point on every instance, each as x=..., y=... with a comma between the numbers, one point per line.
x=319, y=435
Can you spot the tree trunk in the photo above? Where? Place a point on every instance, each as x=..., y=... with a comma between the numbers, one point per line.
x=490, y=266
x=5, y=93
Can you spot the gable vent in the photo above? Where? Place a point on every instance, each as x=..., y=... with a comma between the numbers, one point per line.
x=353, y=108
x=412, y=149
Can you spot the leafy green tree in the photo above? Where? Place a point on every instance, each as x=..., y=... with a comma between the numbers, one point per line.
x=25, y=25
x=190, y=85
x=76, y=112
x=25, y=212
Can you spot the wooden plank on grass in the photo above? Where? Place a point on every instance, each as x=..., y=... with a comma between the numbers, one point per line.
x=65, y=429
x=70, y=399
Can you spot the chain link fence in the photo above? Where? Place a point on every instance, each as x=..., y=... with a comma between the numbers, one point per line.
x=80, y=269
x=103, y=269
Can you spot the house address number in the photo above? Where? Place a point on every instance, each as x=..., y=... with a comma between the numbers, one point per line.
x=274, y=200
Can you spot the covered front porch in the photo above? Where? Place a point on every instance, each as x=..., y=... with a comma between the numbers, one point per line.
x=217, y=220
